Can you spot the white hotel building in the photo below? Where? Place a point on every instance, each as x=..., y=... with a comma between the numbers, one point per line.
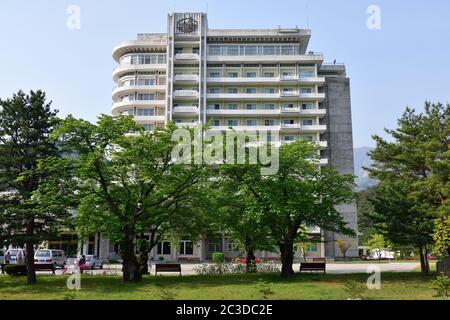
x=254, y=80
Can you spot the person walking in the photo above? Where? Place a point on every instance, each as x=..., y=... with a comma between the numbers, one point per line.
x=7, y=258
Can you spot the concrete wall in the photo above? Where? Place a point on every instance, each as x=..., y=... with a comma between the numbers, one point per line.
x=340, y=152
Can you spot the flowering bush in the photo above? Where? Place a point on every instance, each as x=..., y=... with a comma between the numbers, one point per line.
x=232, y=268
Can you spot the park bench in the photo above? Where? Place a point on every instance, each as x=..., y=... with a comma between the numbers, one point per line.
x=315, y=266
x=45, y=267
x=168, y=267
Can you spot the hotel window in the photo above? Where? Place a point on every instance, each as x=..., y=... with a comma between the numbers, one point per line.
x=214, y=75
x=232, y=90
x=129, y=112
x=307, y=122
x=232, y=106
x=250, y=74
x=178, y=50
x=214, y=50
x=232, y=246
x=164, y=248
x=216, y=123
x=251, y=106
x=129, y=97
x=288, y=121
x=186, y=247
x=250, y=90
x=269, y=122
x=214, y=106
x=288, y=89
x=289, y=138
x=214, y=90
x=308, y=138
x=232, y=75
x=232, y=50
x=251, y=50
x=146, y=82
x=214, y=245
x=269, y=106
x=307, y=106
x=232, y=122
x=196, y=50
x=145, y=112
x=288, y=106
x=312, y=247
x=288, y=74
x=269, y=75
x=146, y=96
x=269, y=50
x=305, y=90
x=148, y=127
x=307, y=73
x=268, y=90
x=252, y=122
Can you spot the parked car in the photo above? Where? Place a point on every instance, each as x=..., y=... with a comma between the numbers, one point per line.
x=2, y=256
x=57, y=257
x=93, y=262
x=13, y=253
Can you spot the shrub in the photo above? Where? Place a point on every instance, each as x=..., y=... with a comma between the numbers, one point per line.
x=354, y=290
x=16, y=269
x=265, y=289
x=218, y=257
x=232, y=268
x=442, y=287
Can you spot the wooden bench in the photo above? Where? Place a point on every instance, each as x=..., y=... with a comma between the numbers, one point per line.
x=168, y=267
x=45, y=267
x=316, y=266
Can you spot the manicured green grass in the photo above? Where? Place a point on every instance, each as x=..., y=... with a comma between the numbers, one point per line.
x=305, y=286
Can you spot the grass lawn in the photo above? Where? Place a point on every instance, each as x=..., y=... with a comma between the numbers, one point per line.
x=234, y=287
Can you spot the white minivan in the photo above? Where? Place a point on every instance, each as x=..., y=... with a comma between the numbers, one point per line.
x=57, y=257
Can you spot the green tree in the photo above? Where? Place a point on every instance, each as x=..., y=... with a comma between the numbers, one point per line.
x=343, y=246
x=417, y=161
x=26, y=122
x=365, y=209
x=128, y=186
x=377, y=244
x=301, y=193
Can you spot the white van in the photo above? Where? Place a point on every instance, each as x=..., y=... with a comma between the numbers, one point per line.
x=57, y=257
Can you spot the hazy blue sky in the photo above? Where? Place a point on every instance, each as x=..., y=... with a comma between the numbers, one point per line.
x=404, y=63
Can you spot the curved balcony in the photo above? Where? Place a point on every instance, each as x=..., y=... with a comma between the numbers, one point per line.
x=124, y=90
x=146, y=119
x=120, y=106
x=126, y=68
x=156, y=42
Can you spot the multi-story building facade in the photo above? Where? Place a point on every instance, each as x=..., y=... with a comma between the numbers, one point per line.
x=250, y=80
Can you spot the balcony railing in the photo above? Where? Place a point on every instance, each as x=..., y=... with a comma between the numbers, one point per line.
x=185, y=109
x=186, y=77
x=185, y=93
x=187, y=56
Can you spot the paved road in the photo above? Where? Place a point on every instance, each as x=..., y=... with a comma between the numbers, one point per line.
x=332, y=268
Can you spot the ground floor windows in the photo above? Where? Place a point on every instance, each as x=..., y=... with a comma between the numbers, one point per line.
x=164, y=248
x=186, y=247
x=214, y=245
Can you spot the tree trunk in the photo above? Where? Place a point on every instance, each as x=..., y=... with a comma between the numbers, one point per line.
x=250, y=260
x=130, y=265
x=31, y=273
x=424, y=266
x=287, y=259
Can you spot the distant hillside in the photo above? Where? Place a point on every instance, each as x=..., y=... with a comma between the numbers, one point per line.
x=363, y=160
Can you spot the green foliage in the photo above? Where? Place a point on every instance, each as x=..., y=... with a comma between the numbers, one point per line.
x=442, y=235
x=442, y=286
x=343, y=246
x=16, y=269
x=354, y=290
x=167, y=294
x=218, y=257
x=366, y=210
x=265, y=289
x=377, y=243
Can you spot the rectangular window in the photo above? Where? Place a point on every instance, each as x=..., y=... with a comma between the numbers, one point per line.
x=250, y=90
x=196, y=50
x=251, y=106
x=252, y=122
x=232, y=122
x=232, y=246
x=269, y=106
x=215, y=50
x=269, y=75
x=145, y=112
x=305, y=90
x=288, y=121
x=214, y=90
x=307, y=122
x=251, y=50
x=289, y=138
x=269, y=90
x=164, y=248
x=232, y=74
x=306, y=106
x=186, y=247
x=269, y=122
x=178, y=50
x=214, y=75
x=250, y=74
x=216, y=123
x=232, y=90
x=149, y=127
x=146, y=96
x=232, y=50
x=269, y=50
x=232, y=106
x=214, y=245
x=146, y=82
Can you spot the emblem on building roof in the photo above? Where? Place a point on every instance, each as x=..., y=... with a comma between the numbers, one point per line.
x=187, y=25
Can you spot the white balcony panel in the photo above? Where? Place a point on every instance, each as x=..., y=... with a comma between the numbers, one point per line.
x=125, y=68
x=314, y=96
x=142, y=119
x=118, y=107
x=290, y=110
x=243, y=112
x=312, y=80
x=186, y=124
x=185, y=110
x=323, y=144
x=185, y=94
x=187, y=56
x=324, y=161
x=124, y=90
x=243, y=96
x=186, y=78
x=313, y=112
x=313, y=128
x=246, y=128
